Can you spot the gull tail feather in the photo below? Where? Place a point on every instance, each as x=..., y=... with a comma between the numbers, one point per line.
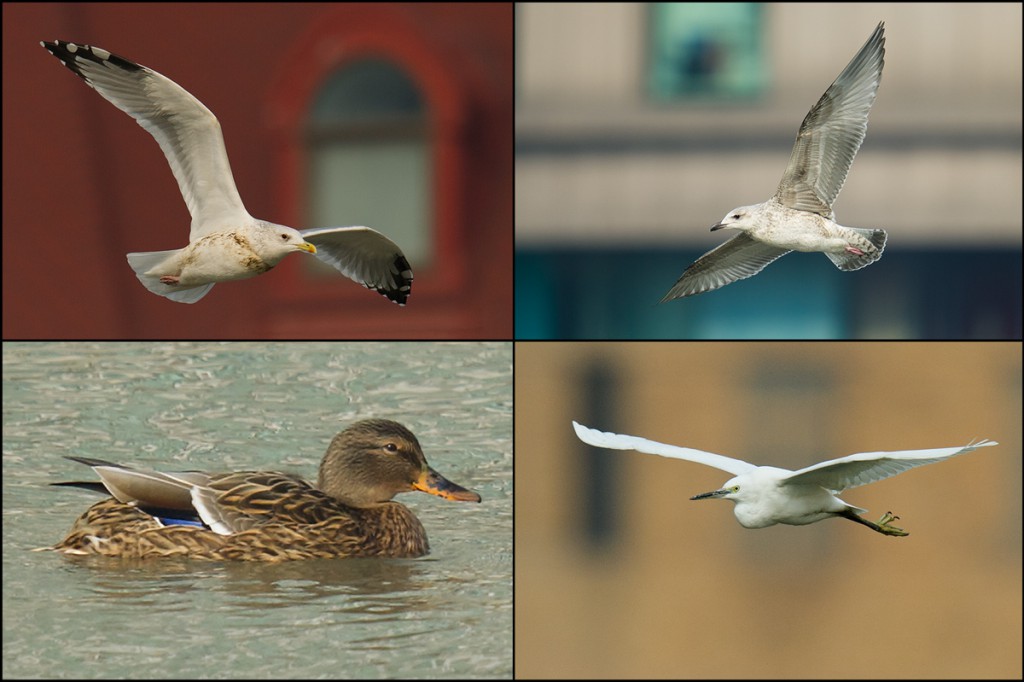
x=871, y=242
x=144, y=263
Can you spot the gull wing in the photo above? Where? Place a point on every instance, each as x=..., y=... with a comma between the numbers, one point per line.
x=832, y=132
x=615, y=441
x=855, y=470
x=188, y=133
x=739, y=258
x=365, y=256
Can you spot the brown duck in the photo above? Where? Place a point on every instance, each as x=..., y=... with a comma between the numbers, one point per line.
x=265, y=515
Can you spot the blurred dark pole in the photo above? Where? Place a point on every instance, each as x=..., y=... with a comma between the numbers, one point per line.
x=598, y=467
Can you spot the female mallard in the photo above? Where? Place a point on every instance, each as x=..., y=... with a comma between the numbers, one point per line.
x=265, y=515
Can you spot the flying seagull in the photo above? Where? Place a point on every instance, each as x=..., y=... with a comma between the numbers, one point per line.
x=799, y=216
x=226, y=242
x=765, y=496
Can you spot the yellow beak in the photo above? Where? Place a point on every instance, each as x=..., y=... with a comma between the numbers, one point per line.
x=306, y=246
x=434, y=483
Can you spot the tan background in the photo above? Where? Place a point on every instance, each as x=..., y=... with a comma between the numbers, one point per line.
x=674, y=588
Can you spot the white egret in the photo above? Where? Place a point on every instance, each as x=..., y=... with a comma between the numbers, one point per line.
x=767, y=495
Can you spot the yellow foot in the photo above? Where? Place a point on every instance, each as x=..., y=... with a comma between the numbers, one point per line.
x=884, y=527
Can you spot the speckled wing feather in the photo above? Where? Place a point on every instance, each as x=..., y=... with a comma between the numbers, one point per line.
x=832, y=132
x=739, y=258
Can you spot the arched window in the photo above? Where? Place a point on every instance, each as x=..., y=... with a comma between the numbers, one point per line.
x=369, y=157
x=373, y=126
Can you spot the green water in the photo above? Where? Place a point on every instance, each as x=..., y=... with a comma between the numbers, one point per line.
x=239, y=406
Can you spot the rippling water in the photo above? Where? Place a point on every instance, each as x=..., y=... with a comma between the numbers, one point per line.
x=238, y=406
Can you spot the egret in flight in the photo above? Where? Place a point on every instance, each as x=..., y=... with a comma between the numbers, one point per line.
x=765, y=496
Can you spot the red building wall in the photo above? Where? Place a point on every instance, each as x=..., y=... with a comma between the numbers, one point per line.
x=83, y=185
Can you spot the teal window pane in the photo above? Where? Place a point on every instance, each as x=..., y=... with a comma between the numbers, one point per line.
x=369, y=157
x=706, y=51
x=366, y=89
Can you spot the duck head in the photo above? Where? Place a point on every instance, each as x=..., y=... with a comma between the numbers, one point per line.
x=373, y=460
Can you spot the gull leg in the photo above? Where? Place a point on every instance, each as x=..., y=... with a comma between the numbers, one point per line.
x=854, y=250
x=882, y=526
x=169, y=279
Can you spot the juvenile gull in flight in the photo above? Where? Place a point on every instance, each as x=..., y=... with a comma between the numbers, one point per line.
x=226, y=242
x=799, y=216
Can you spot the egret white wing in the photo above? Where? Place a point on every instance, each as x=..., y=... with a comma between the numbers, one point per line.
x=365, y=256
x=867, y=467
x=615, y=441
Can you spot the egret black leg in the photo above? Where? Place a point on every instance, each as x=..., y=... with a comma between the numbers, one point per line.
x=882, y=526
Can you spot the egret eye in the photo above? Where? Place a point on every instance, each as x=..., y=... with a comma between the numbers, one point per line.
x=735, y=488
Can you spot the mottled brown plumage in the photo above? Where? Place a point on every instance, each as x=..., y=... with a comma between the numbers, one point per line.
x=269, y=516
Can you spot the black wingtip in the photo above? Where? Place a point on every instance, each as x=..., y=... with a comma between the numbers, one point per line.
x=403, y=280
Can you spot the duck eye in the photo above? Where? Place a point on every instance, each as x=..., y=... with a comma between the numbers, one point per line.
x=391, y=447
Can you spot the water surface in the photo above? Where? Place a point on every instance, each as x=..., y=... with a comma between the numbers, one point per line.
x=240, y=406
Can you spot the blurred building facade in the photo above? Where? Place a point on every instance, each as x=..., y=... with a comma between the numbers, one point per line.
x=639, y=125
x=620, y=575
x=393, y=115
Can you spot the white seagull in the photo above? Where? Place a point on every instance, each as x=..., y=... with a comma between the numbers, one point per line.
x=226, y=242
x=799, y=216
x=767, y=495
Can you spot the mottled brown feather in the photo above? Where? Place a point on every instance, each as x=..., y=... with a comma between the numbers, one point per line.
x=272, y=516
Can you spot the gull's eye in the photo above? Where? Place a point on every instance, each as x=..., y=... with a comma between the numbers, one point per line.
x=284, y=237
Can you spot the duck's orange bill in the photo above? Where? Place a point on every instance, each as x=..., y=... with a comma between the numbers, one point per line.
x=436, y=484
